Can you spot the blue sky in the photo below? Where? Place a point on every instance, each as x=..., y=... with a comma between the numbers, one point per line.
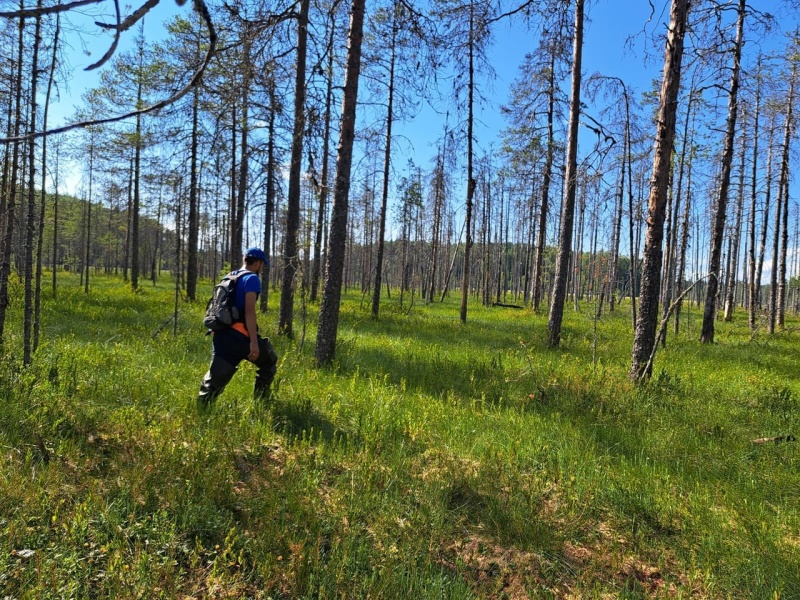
x=614, y=45
x=609, y=22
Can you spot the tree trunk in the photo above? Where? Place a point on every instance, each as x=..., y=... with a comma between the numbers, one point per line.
x=376, y=292
x=8, y=234
x=87, y=254
x=137, y=175
x=194, y=203
x=234, y=255
x=670, y=272
x=685, y=230
x=470, y=177
x=30, y=227
x=436, y=227
x=269, y=209
x=290, y=258
x=647, y=319
x=783, y=183
x=568, y=210
x=541, y=241
x=40, y=236
x=329, y=309
x=755, y=285
x=765, y=223
x=733, y=240
x=55, y=224
x=244, y=154
x=323, y=192
x=129, y=220
x=709, y=313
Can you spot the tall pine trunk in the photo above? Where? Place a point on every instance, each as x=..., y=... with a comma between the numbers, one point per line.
x=87, y=249
x=194, y=202
x=783, y=205
x=470, y=176
x=733, y=240
x=40, y=237
x=387, y=156
x=30, y=225
x=755, y=285
x=568, y=210
x=269, y=209
x=765, y=221
x=538, y=275
x=137, y=176
x=647, y=320
x=244, y=153
x=718, y=234
x=290, y=258
x=11, y=200
x=331, y=297
x=323, y=192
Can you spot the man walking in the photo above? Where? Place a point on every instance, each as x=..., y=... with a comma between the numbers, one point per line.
x=241, y=341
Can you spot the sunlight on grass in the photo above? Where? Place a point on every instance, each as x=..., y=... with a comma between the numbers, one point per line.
x=432, y=460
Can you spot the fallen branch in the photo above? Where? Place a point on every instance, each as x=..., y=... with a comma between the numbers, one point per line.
x=507, y=305
x=163, y=325
x=663, y=328
x=775, y=440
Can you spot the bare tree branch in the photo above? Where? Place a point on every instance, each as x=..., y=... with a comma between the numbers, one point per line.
x=132, y=19
x=47, y=10
x=202, y=9
x=510, y=13
x=110, y=52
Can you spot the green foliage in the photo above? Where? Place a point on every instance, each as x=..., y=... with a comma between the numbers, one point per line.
x=432, y=460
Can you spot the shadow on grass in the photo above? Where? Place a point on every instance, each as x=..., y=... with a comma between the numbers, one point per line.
x=302, y=420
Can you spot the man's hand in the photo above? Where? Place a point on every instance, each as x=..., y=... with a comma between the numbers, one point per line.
x=250, y=324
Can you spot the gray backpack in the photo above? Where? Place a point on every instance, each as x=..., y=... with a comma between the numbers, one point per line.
x=221, y=310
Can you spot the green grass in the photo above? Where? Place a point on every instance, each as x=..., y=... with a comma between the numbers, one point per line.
x=432, y=460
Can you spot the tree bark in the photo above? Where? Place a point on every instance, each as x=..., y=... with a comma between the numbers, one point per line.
x=30, y=226
x=329, y=308
x=387, y=156
x=783, y=184
x=765, y=223
x=244, y=153
x=685, y=231
x=755, y=285
x=87, y=253
x=568, y=210
x=647, y=319
x=290, y=258
x=709, y=313
x=40, y=236
x=470, y=176
x=269, y=208
x=733, y=240
x=137, y=175
x=194, y=202
x=323, y=192
x=541, y=241
x=10, y=205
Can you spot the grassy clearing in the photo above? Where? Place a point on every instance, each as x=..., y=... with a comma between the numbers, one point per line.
x=433, y=460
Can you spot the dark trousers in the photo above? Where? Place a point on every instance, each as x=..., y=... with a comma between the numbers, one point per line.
x=229, y=348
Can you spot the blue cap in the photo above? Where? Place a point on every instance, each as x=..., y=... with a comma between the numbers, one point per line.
x=257, y=254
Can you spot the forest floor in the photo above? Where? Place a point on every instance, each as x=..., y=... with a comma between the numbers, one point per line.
x=433, y=460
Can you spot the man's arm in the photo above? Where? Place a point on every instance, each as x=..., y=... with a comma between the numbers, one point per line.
x=250, y=323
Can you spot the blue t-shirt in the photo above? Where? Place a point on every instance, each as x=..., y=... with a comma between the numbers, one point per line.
x=249, y=282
